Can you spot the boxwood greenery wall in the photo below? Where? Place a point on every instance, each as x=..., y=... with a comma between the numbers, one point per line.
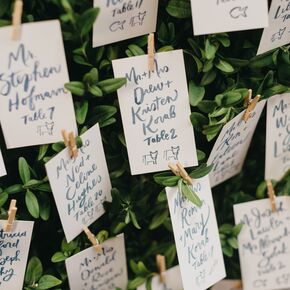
x=220, y=69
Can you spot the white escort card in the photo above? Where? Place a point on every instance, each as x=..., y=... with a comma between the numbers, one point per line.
x=80, y=186
x=2, y=165
x=214, y=16
x=196, y=237
x=14, y=249
x=119, y=20
x=32, y=94
x=172, y=281
x=264, y=244
x=231, y=147
x=155, y=112
x=278, y=32
x=89, y=270
x=277, y=137
x=228, y=285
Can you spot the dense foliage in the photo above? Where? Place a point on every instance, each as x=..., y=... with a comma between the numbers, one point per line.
x=220, y=69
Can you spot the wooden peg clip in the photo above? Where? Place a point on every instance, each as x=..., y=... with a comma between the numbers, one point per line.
x=161, y=265
x=11, y=216
x=179, y=170
x=271, y=194
x=16, y=19
x=251, y=105
x=151, y=52
x=238, y=285
x=93, y=239
x=70, y=142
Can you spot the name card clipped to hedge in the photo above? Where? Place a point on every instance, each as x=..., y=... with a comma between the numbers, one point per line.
x=89, y=270
x=14, y=248
x=32, y=93
x=80, y=185
x=196, y=236
x=278, y=32
x=231, y=147
x=264, y=244
x=119, y=20
x=277, y=137
x=155, y=112
x=214, y=16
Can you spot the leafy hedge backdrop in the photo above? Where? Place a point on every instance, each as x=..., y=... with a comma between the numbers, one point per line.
x=220, y=69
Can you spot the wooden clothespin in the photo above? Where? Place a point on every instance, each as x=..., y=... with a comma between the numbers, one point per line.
x=16, y=19
x=251, y=105
x=161, y=265
x=93, y=240
x=11, y=216
x=179, y=170
x=271, y=194
x=151, y=52
x=70, y=142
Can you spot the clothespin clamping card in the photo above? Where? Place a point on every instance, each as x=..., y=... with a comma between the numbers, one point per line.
x=251, y=104
x=179, y=170
x=161, y=265
x=11, y=216
x=272, y=196
x=16, y=19
x=93, y=240
x=70, y=142
x=151, y=52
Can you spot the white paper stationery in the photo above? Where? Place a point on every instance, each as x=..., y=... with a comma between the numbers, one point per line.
x=228, y=285
x=89, y=270
x=120, y=20
x=14, y=249
x=80, y=186
x=277, y=137
x=34, y=105
x=214, y=16
x=278, y=31
x=230, y=149
x=155, y=112
x=172, y=281
x=264, y=244
x=196, y=237
x=2, y=166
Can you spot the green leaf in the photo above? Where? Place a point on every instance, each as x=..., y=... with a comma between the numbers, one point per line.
x=190, y=194
x=198, y=121
x=24, y=170
x=136, y=50
x=95, y=91
x=134, y=220
x=16, y=188
x=3, y=198
x=158, y=220
x=81, y=110
x=237, y=229
x=32, y=204
x=34, y=271
x=179, y=8
x=201, y=171
x=42, y=151
x=165, y=179
x=133, y=284
x=225, y=229
x=208, y=78
x=210, y=49
x=58, y=257
x=76, y=88
x=224, y=66
x=233, y=242
x=87, y=19
x=228, y=251
x=196, y=93
x=47, y=282
x=111, y=85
